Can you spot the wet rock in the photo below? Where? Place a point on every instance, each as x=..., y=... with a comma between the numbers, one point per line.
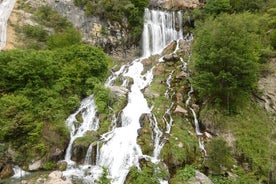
x=118, y=90
x=170, y=48
x=6, y=171
x=171, y=57
x=56, y=154
x=36, y=165
x=196, y=108
x=61, y=166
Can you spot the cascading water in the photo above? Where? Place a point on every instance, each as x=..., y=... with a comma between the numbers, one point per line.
x=119, y=149
x=160, y=28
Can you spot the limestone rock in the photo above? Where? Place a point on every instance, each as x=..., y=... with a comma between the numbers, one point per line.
x=171, y=57
x=7, y=171
x=199, y=178
x=119, y=90
x=56, y=177
x=35, y=165
x=176, y=4
x=170, y=48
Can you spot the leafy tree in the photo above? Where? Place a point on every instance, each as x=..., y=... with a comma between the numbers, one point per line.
x=226, y=54
x=243, y=5
x=216, y=7
x=64, y=39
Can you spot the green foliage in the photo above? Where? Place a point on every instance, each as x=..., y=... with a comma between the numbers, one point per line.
x=226, y=58
x=253, y=129
x=49, y=165
x=148, y=174
x=104, y=179
x=244, y=5
x=273, y=38
x=49, y=18
x=35, y=32
x=102, y=98
x=38, y=91
x=66, y=38
x=216, y=7
x=219, y=156
x=183, y=175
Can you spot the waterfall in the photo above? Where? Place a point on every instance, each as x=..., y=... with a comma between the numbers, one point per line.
x=88, y=156
x=118, y=149
x=90, y=122
x=160, y=28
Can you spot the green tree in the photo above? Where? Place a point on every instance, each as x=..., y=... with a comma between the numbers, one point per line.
x=216, y=7
x=244, y=5
x=219, y=157
x=226, y=54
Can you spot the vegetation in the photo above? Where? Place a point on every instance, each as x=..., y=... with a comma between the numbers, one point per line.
x=40, y=88
x=226, y=58
x=229, y=51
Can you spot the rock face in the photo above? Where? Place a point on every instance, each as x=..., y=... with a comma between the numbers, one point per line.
x=110, y=36
x=176, y=4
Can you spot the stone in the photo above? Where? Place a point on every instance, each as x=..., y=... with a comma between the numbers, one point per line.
x=180, y=111
x=202, y=178
x=6, y=172
x=35, y=165
x=176, y=4
x=56, y=177
x=182, y=75
x=118, y=90
x=170, y=57
x=170, y=48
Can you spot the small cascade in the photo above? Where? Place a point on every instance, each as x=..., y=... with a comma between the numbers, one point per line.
x=189, y=39
x=88, y=156
x=160, y=28
x=18, y=172
x=90, y=122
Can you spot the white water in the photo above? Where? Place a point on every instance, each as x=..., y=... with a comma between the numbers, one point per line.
x=5, y=10
x=119, y=150
x=160, y=28
x=78, y=129
x=18, y=172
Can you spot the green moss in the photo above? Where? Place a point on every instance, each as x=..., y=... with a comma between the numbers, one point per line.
x=90, y=136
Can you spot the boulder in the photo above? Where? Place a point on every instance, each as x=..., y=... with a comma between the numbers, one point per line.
x=118, y=90
x=35, y=165
x=199, y=178
x=170, y=48
x=180, y=111
x=56, y=177
x=171, y=57
x=7, y=171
